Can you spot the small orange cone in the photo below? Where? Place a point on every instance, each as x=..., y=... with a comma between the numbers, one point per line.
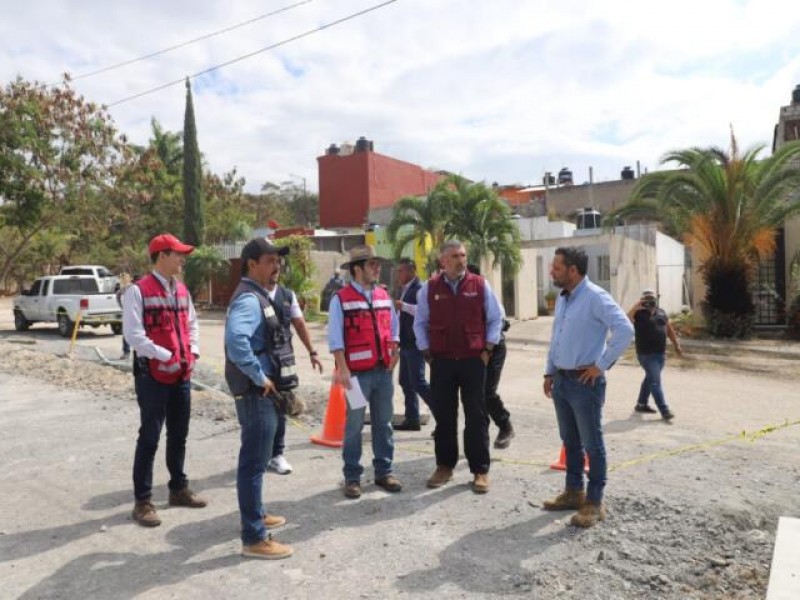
x=333, y=425
x=561, y=464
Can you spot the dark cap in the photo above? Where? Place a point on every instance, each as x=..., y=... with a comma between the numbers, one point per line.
x=254, y=249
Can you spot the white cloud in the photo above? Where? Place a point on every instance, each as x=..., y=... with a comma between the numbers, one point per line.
x=500, y=90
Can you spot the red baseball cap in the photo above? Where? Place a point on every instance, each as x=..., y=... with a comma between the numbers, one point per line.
x=166, y=241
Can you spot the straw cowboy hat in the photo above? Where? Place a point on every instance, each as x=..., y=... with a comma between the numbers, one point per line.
x=361, y=253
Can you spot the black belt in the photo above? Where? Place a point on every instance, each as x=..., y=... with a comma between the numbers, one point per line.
x=574, y=373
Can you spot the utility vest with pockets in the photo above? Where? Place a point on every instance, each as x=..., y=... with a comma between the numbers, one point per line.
x=277, y=342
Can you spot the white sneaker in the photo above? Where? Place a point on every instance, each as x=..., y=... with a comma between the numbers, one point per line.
x=279, y=464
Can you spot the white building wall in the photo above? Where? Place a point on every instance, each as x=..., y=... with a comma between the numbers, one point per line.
x=633, y=268
x=671, y=275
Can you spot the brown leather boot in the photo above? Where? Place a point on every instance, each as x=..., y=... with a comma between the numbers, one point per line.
x=390, y=483
x=588, y=515
x=440, y=476
x=267, y=549
x=144, y=513
x=567, y=500
x=187, y=498
x=274, y=521
x=352, y=489
x=480, y=485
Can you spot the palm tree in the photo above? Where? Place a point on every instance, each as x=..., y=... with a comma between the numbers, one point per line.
x=421, y=220
x=202, y=267
x=483, y=222
x=729, y=206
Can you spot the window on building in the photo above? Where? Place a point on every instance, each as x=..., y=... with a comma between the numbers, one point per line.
x=604, y=272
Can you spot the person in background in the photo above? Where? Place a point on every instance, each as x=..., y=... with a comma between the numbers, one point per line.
x=412, y=364
x=652, y=328
x=290, y=315
x=494, y=403
x=581, y=351
x=124, y=284
x=160, y=324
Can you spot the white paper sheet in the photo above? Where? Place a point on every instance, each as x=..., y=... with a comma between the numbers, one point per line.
x=355, y=397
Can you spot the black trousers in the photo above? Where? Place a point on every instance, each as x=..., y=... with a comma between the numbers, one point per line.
x=159, y=404
x=448, y=378
x=494, y=404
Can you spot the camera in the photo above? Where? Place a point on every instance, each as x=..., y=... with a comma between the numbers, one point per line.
x=649, y=303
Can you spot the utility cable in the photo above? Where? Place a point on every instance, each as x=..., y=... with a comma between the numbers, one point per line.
x=251, y=54
x=187, y=43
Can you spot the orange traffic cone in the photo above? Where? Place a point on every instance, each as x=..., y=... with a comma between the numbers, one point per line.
x=561, y=464
x=333, y=425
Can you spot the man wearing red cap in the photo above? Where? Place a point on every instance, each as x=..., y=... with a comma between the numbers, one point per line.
x=160, y=324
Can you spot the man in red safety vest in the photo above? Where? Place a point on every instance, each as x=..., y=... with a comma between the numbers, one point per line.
x=363, y=334
x=160, y=324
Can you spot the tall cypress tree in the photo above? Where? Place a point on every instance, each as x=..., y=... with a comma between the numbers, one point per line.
x=194, y=229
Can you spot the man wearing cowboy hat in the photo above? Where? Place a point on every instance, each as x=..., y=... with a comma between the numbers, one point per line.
x=160, y=324
x=652, y=327
x=363, y=334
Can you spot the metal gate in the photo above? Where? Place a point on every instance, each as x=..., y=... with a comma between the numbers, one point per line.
x=769, y=293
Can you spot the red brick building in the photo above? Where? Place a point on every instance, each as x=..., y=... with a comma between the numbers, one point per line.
x=352, y=182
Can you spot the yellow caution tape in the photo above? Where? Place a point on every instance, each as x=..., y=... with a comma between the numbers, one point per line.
x=743, y=436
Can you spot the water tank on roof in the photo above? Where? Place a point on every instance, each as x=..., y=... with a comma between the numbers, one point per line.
x=565, y=176
x=589, y=218
x=627, y=173
x=346, y=149
x=796, y=95
x=363, y=144
x=332, y=149
x=548, y=179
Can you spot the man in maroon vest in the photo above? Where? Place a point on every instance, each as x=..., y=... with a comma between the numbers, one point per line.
x=457, y=324
x=160, y=324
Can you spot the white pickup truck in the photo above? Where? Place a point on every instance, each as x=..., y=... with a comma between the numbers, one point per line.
x=106, y=280
x=59, y=298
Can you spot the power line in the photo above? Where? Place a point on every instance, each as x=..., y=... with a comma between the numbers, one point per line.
x=187, y=43
x=251, y=54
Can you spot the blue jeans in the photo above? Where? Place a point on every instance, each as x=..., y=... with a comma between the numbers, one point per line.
x=652, y=364
x=412, y=381
x=160, y=403
x=579, y=410
x=378, y=389
x=258, y=419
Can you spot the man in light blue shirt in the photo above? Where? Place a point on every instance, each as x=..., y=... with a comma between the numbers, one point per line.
x=253, y=381
x=363, y=335
x=574, y=378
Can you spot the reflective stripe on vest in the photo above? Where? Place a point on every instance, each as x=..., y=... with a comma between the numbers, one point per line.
x=367, y=329
x=167, y=325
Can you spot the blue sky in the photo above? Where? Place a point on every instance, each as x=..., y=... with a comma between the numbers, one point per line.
x=501, y=91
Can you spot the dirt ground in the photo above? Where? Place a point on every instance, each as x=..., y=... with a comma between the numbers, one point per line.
x=693, y=505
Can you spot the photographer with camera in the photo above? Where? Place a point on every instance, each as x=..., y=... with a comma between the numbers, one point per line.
x=652, y=327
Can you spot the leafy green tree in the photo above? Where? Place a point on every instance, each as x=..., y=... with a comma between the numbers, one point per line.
x=298, y=271
x=56, y=150
x=728, y=205
x=202, y=267
x=228, y=217
x=422, y=219
x=194, y=222
x=482, y=220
